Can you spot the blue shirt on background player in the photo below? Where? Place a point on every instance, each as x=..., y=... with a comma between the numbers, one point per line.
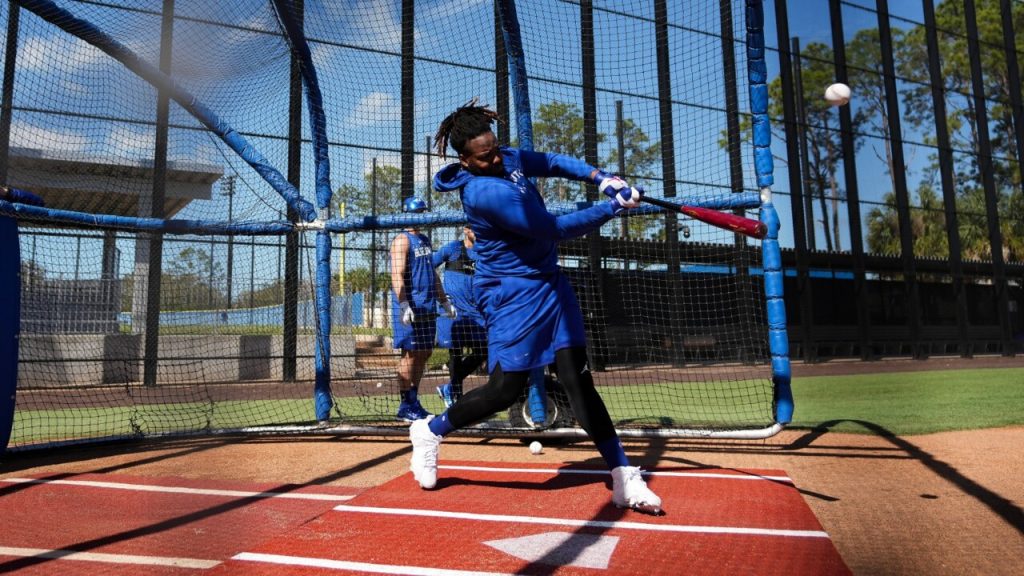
x=532, y=315
x=465, y=337
x=416, y=293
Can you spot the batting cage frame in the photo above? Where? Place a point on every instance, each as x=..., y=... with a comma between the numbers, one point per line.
x=21, y=207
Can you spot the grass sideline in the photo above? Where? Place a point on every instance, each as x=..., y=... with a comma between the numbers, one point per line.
x=909, y=403
x=904, y=403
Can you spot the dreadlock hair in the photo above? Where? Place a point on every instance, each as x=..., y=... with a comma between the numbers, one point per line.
x=467, y=122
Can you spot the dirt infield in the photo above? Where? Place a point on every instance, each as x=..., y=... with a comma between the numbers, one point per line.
x=948, y=503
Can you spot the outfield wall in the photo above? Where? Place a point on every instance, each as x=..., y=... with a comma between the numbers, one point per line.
x=53, y=360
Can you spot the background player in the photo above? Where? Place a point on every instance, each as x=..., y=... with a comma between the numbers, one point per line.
x=532, y=315
x=465, y=337
x=415, y=294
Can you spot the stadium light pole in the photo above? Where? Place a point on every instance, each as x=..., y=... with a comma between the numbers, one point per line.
x=229, y=191
x=373, y=245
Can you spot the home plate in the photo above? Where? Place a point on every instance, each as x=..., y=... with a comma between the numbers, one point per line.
x=534, y=518
x=560, y=549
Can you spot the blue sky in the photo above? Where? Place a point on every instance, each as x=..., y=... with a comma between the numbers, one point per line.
x=361, y=86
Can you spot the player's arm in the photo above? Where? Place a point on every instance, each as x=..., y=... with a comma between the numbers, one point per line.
x=559, y=165
x=442, y=255
x=548, y=164
x=524, y=215
x=399, y=248
x=442, y=297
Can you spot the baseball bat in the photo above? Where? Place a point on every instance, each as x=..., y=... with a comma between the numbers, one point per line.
x=724, y=220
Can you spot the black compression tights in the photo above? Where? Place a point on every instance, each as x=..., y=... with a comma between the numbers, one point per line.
x=504, y=388
x=461, y=365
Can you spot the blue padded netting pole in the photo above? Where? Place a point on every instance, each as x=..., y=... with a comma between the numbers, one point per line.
x=778, y=342
x=90, y=33
x=517, y=72
x=322, y=401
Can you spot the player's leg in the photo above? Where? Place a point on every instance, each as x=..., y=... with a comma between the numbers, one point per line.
x=464, y=361
x=500, y=391
x=444, y=340
x=628, y=487
x=411, y=366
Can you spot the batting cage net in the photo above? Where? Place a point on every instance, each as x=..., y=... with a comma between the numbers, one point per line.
x=206, y=194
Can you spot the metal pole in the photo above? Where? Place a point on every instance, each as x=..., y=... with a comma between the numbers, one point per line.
x=668, y=160
x=732, y=124
x=995, y=236
x=501, y=78
x=7, y=101
x=596, y=321
x=945, y=153
x=1013, y=76
x=852, y=192
x=899, y=177
x=289, y=366
x=803, y=279
x=407, y=88
x=801, y=129
x=620, y=141
x=154, y=275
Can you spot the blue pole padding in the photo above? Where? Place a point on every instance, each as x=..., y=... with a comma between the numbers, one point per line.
x=322, y=360
x=12, y=194
x=757, y=76
x=537, y=397
x=517, y=72
x=90, y=33
x=10, y=324
x=771, y=253
x=286, y=11
x=132, y=223
x=778, y=341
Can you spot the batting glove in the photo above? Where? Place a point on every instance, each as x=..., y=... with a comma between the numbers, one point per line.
x=609, y=184
x=407, y=315
x=626, y=199
x=448, y=310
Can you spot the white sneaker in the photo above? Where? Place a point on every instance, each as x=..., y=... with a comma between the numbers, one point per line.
x=630, y=491
x=424, y=453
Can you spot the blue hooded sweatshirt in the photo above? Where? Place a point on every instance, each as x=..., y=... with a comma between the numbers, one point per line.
x=515, y=234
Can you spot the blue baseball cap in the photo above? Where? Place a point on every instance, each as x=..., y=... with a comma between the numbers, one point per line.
x=414, y=204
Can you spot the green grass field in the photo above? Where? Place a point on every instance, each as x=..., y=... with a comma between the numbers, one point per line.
x=898, y=403
x=912, y=403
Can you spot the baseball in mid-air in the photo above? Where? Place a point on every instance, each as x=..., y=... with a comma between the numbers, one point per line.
x=536, y=447
x=837, y=94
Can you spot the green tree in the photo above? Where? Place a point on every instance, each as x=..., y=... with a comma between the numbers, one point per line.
x=189, y=282
x=558, y=128
x=962, y=121
x=821, y=138
x=268, y=295
x=927, y=222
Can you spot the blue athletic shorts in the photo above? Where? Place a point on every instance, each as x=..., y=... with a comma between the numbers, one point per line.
x=529, y=319
x=463, y=332
x=419, y=336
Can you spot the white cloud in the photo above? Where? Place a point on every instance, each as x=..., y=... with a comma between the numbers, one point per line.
x=41, y=52
x=24, y=135
x=371, y=23
x=374, y=108
x=126, y=141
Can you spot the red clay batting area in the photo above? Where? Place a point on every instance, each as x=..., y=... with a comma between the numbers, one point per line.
x=483, y=518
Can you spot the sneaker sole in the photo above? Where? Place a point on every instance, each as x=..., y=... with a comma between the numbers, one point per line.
x=644, y=509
